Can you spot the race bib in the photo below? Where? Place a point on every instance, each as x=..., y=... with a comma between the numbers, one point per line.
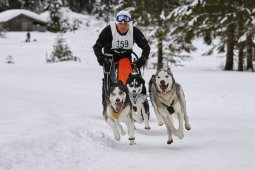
x=122, y=41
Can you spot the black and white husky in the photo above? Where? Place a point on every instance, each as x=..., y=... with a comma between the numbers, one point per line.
x=119, y=110
x=137, y=95
x=168, y=98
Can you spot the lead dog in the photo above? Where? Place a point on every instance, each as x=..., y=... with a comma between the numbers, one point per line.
x=137, y=95
x=168, y=98
x=119, y=110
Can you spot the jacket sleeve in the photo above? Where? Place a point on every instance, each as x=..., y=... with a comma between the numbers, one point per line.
x=103, y=39
x=141, y=41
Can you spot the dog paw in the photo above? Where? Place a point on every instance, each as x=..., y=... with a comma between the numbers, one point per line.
x=181, y=135
x=170, y=141
x=132, y=142
x=117, y=138
x=147, y=128
x=187, y=127
x=160, y=123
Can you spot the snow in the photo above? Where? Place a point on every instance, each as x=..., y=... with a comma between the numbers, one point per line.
x=50, y=114
x=12, y=13
x=193, y=21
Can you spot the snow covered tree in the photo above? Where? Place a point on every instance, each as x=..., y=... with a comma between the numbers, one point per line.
x=61, y=50
x=55, y=24
x=4, y=5
x=15, y=4
x=104, y=9
x=223, y=19
x=73, y=5
x=33, y=5
x=154, y=15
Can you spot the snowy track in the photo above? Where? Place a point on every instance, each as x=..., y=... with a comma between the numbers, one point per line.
x=50, y=115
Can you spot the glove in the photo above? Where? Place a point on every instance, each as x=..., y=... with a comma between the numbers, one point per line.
x=121, y=54
x=140, y=62
x=101, y=60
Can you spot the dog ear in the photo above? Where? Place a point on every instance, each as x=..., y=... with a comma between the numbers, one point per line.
x=130, y=74
x=120, y=83
x=153, y=78
x=143, y=81
x=169, y=70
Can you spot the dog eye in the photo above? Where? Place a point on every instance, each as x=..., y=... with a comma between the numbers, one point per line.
x=167, y=76
x=158, y=77
x=112, y=94
x=131, y=85
x=121, y=93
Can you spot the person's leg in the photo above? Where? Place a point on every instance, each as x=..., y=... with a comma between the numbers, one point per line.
x=104, y=96
x=113, y=73
x=106, y=84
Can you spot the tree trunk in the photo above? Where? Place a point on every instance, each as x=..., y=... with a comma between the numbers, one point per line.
x=230, y=47
x=249, y=56
x=159, y=33
x=160, y=53
x=240, y=57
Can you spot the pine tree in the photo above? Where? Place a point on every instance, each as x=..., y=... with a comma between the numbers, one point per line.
x=216, y=18
x=4, y=5
x=104, y=9
x=55, y=24
x=14, y=4
x=154, y=16
x=61, y=50
x=33, y=5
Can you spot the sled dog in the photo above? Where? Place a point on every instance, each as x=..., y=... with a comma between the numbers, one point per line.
x=137, y=95
x=119, y=110
x=167, y=98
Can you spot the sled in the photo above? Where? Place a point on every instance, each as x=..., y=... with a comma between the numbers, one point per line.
x=112, y=73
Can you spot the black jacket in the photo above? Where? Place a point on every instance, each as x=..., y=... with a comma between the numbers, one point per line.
x=105, y=38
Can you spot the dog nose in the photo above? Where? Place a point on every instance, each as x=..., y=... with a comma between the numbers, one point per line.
x=117, y=100
x=162, y=82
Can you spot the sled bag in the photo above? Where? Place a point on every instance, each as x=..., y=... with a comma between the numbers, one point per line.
x=124, y=69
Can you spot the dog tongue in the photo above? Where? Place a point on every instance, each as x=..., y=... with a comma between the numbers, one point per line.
x=163, y=88
x=118, y=106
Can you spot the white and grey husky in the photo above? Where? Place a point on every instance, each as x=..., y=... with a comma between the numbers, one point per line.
x=168, y=98
x=137, y=95
x=119, y=110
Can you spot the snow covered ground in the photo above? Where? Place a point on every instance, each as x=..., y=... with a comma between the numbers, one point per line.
x=50, y=114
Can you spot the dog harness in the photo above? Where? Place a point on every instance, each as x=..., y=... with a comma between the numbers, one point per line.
x=170, y=107
x=136, y=96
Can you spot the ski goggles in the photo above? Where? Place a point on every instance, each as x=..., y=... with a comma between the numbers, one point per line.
x=124, y=18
